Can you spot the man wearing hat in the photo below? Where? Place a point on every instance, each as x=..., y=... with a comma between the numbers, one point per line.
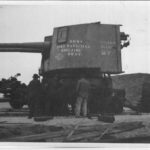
x=34, y=96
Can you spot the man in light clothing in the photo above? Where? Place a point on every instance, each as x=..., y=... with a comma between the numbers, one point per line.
x=83, y=88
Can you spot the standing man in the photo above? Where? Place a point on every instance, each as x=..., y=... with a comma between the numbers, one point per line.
x=82, y=89
x=34, y=96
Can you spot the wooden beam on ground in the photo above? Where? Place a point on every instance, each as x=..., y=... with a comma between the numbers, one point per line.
x=37, y=137
x=82, y=136
x=74, y=129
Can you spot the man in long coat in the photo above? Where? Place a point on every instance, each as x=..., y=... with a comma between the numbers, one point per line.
x=34, y=96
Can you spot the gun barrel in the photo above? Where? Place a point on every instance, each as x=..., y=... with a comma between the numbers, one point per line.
x=24, y=50
x=34, y=47
x=22, y=45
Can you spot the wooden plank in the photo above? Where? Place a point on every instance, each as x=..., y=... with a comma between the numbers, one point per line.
x=125, y=130
x=37, y=137
x=82, y=136
x=74, y=129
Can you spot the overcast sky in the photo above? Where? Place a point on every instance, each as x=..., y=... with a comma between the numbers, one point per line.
x=30, y=23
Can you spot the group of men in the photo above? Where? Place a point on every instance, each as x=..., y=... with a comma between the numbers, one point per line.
x=39, y=100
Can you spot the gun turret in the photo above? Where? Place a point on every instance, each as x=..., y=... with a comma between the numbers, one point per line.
x=92, y=50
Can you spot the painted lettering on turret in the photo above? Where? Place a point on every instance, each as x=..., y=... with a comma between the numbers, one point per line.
x=106, y=47
x=73, y=47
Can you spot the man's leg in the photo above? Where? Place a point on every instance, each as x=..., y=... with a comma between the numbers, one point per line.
x=47, y=106
x=36, y=108
x=78, y=106
x=31, y=108
x=84, y=107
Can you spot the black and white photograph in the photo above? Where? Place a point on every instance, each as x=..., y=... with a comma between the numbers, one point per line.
x=75, y=72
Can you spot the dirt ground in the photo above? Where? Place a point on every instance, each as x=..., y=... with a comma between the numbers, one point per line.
x=16, y=126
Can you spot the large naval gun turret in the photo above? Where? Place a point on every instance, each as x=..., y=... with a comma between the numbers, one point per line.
x=92, y=50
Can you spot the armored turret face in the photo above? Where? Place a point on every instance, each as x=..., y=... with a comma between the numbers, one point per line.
x=88, y=46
